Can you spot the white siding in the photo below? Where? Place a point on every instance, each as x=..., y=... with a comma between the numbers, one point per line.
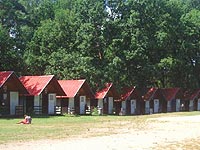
x=52, y=103
x=178, y=105
x=191, y=105
x=82, y=104
x=169, y=106
x=156, y=105
x=37, y=101
x=198, y=105
x=124, y=107
x=14, y=101
x=71, y=103
x=133, y=106
x=147, y=107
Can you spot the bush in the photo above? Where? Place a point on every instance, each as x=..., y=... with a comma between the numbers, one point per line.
x=95, y=111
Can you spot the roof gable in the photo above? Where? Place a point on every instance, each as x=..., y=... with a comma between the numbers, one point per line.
x=4, y=75
x=191, y=94
x=35, y=84
x=170, y=93
x=109, y=87
x=102, y=93
x=12, y=82
x=127, y=92
x=71, y=87
x=149, y=94
x=195, y=94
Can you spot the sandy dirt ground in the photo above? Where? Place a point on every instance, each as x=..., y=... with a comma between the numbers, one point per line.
x=157, y=134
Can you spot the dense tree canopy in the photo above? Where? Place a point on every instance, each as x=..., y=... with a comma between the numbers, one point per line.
x=132, y=42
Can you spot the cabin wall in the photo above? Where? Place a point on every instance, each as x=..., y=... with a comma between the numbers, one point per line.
x=4, y=102
x=105, y=105
x=156, y=107
x=14, y=101
x=169, y=106
x=191, y=105
x=77, y=104
x=147, y=107
x=110, y=105
x=29, y=104
x=198, y=104
x=133, y=106
x=124, y=107
x=163, y=106
x=44, y=103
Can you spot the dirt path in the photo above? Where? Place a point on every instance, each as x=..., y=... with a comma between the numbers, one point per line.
x=158, y=134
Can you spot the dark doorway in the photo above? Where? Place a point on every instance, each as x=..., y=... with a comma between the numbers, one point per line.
x=29, y=104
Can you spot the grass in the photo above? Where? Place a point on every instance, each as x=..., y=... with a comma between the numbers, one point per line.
x=60, y=127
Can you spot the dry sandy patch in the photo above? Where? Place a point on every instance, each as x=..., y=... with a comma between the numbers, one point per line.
x=157, y=133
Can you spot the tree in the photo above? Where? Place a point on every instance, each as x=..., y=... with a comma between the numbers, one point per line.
x=45, y=41
x=191, y=44
x=11, y=19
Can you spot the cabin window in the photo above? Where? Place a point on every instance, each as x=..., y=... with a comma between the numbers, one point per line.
x=82, y=98
x=51, y=97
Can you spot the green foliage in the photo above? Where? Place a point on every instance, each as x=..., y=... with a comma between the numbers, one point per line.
x=142, y=43
x=95, y=111
x=12, y=15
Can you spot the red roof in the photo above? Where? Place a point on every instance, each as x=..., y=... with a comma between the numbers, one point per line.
x=195, y=94
x=150, y=93
x=170, y=93
x=127, y=93
x=35, y=84
x=4, y=75
x=191, y=94
x=71, y=87
x=102, y=93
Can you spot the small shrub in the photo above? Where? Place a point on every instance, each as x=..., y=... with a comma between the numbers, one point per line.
x=95, y=111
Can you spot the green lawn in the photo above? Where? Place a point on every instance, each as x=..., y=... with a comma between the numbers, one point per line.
x=58, y=127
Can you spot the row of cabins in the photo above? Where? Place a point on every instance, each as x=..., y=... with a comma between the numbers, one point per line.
x=47, y=95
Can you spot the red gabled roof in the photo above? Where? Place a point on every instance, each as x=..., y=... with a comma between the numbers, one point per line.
x=4, y=75
x=149, y=94
x=127, y=93
x=170, y=93
x=35, y=84
x=71, y=87
x=191, y=94
x=195, y=94
x=102, y=93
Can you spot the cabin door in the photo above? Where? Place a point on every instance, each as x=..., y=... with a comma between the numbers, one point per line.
x=29, y=104
x=124, y=107
x=191, y=104
x=110, y=105
x=82, y=104
x=198, y=105
x=14, y=101
x=147, y=107
x=169, y=106
x=133, y=106
x=52, y=103
x=178, y=105
x=156, y=105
